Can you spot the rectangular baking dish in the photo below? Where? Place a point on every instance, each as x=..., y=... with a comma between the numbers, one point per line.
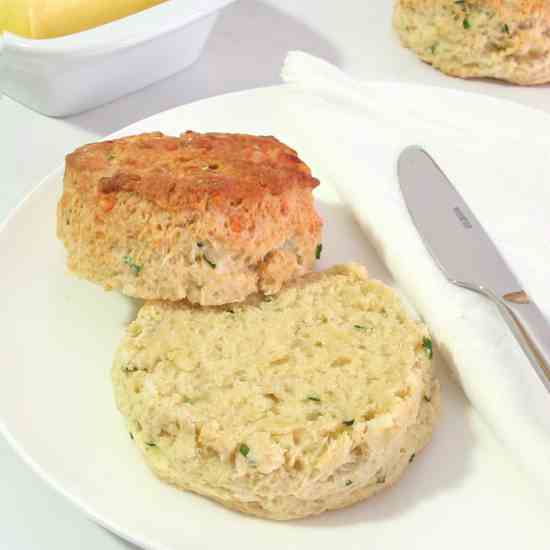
x=64, y=76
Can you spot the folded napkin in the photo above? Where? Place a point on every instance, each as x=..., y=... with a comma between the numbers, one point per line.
x=358, y=133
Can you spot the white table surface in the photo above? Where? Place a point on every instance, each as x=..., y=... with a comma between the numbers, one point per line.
x=245, y=51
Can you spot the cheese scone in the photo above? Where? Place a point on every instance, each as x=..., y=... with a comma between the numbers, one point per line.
x=503, y=39
x=210, y=218
x=311, y=400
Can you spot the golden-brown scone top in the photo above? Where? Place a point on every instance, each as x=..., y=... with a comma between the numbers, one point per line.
x=211, y=218
x=501, y=7
x=503, y=39
x=186, y=171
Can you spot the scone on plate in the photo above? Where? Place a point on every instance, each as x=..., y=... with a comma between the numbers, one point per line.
x=211, y=218
x=283, y=407
x=504, y=39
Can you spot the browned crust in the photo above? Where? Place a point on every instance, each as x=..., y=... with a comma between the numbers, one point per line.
x=135, y=210
x=503, y=7
x=193, y=171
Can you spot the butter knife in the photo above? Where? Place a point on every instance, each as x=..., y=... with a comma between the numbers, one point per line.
x=467, y=256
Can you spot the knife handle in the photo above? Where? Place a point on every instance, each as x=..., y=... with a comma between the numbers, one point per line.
x=530, y=329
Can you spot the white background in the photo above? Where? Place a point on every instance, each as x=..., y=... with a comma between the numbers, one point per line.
x=246, y=50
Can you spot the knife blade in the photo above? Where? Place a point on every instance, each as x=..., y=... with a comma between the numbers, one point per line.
x=466, y=255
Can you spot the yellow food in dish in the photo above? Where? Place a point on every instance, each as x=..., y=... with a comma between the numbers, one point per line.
x=53, y=18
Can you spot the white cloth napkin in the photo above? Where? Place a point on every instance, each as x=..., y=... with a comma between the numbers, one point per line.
x=504, y=177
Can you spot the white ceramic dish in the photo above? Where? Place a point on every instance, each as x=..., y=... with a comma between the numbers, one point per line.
x=56, y=408
x=67, y=75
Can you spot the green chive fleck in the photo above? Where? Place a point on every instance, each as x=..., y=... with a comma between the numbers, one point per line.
x=131, y=435
x=506, y=28
x=210, y=263
x=268, y=298
x=313, y=397
x=427, y=345
x=466, y=24
x=412, y=458
x=110, y=156
x=360, y=327
x=244, y=449
x=151, y=444
x=349, y=422
x=348, y=482
x=460, y=2
x=133, y=266
x=433, y=48
x=318, y=251
x=427, y=399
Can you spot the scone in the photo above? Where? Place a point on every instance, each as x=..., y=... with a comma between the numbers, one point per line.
x=504, y=39
x=211, y=218
x=283, y=407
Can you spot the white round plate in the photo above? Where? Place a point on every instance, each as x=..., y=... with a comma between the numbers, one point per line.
x=57, y=411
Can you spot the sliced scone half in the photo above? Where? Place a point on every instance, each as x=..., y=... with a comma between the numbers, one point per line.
x=310, y=400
